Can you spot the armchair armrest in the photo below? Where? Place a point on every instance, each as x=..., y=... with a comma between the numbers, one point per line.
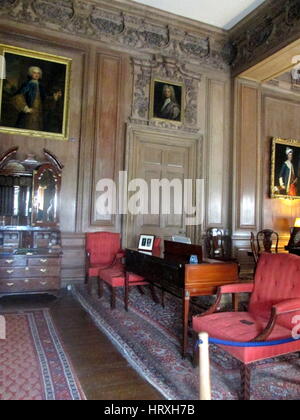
x=228, y=289
x=236, y=288
x=118, y=258
x=120, y=254
x=285, y=307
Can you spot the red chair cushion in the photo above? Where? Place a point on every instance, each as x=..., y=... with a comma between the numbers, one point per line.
x=115, y=277
x=243, y=326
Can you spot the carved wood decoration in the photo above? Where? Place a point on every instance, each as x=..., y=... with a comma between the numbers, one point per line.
x=164, y=69
x=114, y=23
x=270, y=28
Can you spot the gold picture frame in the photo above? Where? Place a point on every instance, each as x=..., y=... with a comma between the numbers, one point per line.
x=167, y=101
x=30, y=111
x=285, y=169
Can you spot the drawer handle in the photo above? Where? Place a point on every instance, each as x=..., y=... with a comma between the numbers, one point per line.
x=10, y=284
x=9, y=261
x=26, y=281
x=43, y=270
x=27, y=269
x=43, y=260
x=43, y=283
x=9, y=271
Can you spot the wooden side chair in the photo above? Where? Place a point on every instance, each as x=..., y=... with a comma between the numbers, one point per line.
x=265, y=241
x=115, y=277
x=275, y=301
x=103, y=250
x=218, y=245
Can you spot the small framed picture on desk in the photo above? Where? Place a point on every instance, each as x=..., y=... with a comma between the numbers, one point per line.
x=146, y=242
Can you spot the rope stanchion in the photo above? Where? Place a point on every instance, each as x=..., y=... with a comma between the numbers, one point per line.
x=204, y=368
x=251, y=343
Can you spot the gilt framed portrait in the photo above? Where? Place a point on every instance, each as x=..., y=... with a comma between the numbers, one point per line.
x=285, y=171
x=34, y=93
x=167, y=101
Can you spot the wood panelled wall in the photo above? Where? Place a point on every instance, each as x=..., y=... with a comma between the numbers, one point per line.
x=261, y=113
x=100, y=107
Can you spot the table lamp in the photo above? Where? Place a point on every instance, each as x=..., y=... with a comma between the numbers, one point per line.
x=297, y=223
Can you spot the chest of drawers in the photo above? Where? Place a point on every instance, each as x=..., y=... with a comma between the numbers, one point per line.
x=30, y=274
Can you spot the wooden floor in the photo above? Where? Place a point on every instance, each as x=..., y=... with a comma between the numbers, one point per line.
x=103, y=373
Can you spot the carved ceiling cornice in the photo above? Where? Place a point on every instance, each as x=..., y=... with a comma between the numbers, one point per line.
x=128, y=27
x=270, y=28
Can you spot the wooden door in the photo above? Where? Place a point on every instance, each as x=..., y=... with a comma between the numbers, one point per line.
x=157, y=157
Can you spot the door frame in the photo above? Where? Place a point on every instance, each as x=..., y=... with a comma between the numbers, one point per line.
x=136, y=135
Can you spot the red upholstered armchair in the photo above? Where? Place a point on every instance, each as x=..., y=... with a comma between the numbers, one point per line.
x=115, y=275
x=103, y=250
x=275, y=301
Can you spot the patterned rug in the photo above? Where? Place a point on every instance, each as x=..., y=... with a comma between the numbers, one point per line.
x=33, y=364
x=148, y=337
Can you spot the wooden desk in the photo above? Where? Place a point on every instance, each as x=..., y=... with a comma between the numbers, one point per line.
x=181, y=279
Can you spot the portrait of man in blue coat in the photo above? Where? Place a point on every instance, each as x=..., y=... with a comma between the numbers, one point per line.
x=288, y=176
x=29, y=101
x=33, y=97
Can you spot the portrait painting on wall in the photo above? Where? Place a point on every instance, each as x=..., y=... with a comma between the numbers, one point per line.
x=34, y=95
x=285, y=176
x=167, y=101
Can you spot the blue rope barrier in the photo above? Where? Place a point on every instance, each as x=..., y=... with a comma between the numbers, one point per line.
x=249, y=344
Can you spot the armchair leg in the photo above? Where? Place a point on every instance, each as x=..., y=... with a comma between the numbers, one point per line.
x=246, y=382
x=100, y=287
x=195, y=360
x=140, y=289
x=89, y=284
x=154, y=297
x=126, y=294
x=113, y=299
x=163, y=298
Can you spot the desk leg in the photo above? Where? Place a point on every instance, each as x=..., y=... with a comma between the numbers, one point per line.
x=185, y=319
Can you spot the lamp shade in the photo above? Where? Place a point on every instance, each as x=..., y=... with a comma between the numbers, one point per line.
x=297, y=222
